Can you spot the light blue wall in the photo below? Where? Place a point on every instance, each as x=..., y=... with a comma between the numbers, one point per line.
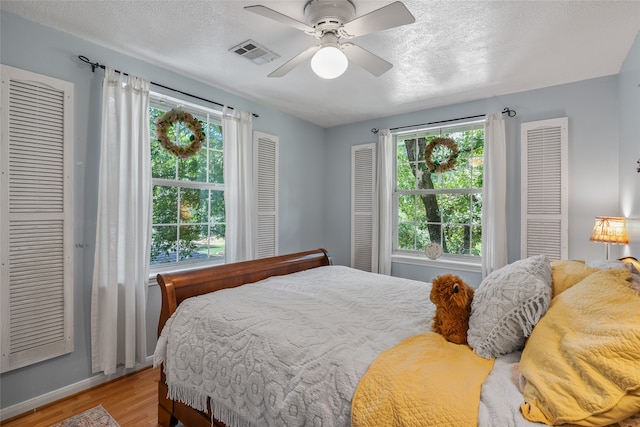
x=629, y=114
x=39, y=49
x=591, y=106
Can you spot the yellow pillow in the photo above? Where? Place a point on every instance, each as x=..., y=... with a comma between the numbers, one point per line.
x=566, y=273
x=581, y=361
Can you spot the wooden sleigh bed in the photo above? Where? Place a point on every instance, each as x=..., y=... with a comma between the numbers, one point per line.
x=503, y=388
x=176, y=287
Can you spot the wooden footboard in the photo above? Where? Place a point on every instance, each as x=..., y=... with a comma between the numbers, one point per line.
x=178, y=286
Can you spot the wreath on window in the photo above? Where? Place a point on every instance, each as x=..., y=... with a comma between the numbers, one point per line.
x=164, y=123
x=436, y=165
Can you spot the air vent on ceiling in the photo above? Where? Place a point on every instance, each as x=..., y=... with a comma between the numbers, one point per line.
x=254, y=52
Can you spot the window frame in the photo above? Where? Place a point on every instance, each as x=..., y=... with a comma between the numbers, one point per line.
x=471, y=263
x=156, y=98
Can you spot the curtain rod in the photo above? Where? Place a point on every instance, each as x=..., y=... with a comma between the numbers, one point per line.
x=509, y=112
x=95, y=65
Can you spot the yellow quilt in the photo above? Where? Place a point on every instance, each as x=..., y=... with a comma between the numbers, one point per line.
x=423, y=381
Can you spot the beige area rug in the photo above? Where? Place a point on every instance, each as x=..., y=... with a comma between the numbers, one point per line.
x=94, y=417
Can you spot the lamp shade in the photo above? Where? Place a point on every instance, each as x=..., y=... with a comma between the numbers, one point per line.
x=610, y=229
x=329, y=62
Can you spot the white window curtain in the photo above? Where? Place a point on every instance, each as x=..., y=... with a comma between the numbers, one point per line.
x=494, y=211
x=238, y=185
x=123, y=229
x=382, y=222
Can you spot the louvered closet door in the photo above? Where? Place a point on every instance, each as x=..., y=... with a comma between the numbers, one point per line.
x=545, y=188
x=36, y=293
x=266, y=171
x=363, y=168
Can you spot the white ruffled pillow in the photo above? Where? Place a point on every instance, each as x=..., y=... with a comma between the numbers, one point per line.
x=507, y=305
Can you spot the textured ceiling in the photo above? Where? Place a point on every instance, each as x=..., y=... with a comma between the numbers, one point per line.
x=455, y=51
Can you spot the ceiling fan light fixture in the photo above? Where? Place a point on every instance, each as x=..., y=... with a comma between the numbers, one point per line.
x=333, y=20
x=329, y=62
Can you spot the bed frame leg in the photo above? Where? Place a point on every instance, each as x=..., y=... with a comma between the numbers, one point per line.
x=165, y=419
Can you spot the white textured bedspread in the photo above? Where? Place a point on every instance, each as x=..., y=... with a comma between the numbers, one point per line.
x=289, y=350
x=500, y=399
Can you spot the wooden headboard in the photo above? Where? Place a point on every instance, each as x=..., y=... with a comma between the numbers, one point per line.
x=178, y=286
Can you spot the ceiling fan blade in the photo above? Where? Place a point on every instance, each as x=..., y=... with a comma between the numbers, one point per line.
x=295, y=61
x=367, y=60
x=390, y=16
x=277, y=16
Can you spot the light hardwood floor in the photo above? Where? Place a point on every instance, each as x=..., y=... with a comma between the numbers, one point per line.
x=131, y=400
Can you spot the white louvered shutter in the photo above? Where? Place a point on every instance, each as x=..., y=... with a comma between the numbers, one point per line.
x=36, y=227
x=363, y=170
x=266, y=172
x=544, y=180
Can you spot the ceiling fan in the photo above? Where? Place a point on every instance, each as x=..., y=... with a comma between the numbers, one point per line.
x=332, y=21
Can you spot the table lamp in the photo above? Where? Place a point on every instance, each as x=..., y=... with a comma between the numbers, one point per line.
x=610, y=229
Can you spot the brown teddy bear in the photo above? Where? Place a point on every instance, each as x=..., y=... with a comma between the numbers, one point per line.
x=452, y=297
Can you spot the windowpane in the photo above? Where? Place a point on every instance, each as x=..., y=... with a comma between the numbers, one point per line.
x=406, y=207
x=459, y=177
x=477, y=175
x=430, y=204
x=457, y=238
x=441, y=207
x=154, y=114
x=217, y=212
x=421, y=212
x=455, y=208
x=164, y=244
x=216, y=167
x=188, y=199
x=165, y=205
x=401, y=150
x=193, y=205
x=216, y=241
x=476, y=208
x=193, y=242
x=419, y=155
x=422, y=236
x=406, y=180
x=194, y=168
x=214, y=134
x=163, y=163
x=476, y=240
x=434, y=234
x=406, y=236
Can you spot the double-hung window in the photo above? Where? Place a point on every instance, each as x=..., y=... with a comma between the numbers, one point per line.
x=435, y=206
x=188, y=194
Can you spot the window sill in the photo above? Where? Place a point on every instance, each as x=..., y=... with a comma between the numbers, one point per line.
x=444, y=262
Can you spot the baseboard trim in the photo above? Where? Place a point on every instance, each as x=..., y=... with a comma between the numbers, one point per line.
x=33, y=404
